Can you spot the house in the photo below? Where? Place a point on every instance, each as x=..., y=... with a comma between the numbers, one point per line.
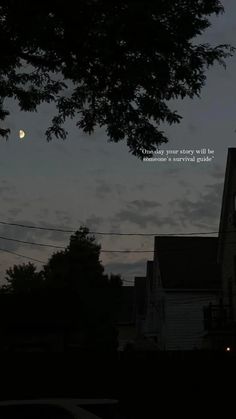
x=182, y=280
x=227, y=234
x=191, y=291
x=221, y=318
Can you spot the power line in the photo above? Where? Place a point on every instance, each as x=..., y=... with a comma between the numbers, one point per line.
x=33, y=243
x=23, y=256
x=43, y=261
x=37, y=260
x=108, y=251
x=107, y=233
x=37, y=227
x=102, y=250
x=63, y=247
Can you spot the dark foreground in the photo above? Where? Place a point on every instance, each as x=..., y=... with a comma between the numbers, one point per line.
x=140, y=382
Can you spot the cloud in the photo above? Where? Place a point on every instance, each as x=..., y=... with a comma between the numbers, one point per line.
x=192, y=128
x=63, y=216
x=140, y=187
x=132, y=217
x=32, y=235
x=43, y=212
x=14, y=232
x=143, y=213
x=127, y=270
x=53, y=236
x=61, y=148
x=6, y=188
x=119, y=189
x=218, y=172
x=103, y=189
x=203, y=212
x=93, y=222
x=143, y=204
x=15, y=211
x=144, y=220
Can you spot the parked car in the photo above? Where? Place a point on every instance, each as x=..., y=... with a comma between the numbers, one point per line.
x=59, y=409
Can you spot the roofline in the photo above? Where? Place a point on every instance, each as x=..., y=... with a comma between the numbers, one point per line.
x=158, y=238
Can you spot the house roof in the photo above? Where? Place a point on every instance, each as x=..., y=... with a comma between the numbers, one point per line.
x=188, y=262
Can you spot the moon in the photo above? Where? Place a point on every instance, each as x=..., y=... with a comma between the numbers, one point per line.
x=21, y=133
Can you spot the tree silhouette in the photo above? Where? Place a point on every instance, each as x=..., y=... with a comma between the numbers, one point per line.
x=78, y=266
x=77, y=273
x=109, y=64
x=23, y=279
x=73, y=280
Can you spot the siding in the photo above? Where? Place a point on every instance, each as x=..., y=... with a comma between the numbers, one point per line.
x=183, y=327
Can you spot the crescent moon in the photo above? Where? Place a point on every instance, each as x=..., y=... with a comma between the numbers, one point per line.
x=21, y=133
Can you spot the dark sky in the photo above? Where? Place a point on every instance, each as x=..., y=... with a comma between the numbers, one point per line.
x=87, y=181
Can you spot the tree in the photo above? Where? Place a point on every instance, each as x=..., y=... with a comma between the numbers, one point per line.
x=73, y=284
x=23, y=279
x=109, y=64
x=78, y=266
x=77, y=272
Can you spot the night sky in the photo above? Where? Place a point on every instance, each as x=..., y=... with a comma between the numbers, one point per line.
x=87, y=181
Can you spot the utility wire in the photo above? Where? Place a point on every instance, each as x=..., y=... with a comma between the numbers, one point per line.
x=107, y=233
x=37, y=227
x=43, y=261
x=23, y=256
x=33, y=243
x=63, y=247
x=110, y=251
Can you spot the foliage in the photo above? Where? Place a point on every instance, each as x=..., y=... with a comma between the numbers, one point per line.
x=78, y=266
x=23, y=279
x=73, y=280
x=108, y=64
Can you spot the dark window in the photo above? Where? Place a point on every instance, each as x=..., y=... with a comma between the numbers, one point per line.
x=34, y=411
